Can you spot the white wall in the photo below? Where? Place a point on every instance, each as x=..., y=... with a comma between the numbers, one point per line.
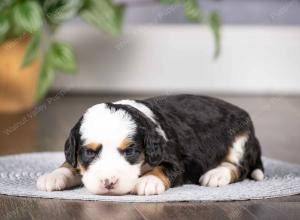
x=259, y=12
x=178, y=58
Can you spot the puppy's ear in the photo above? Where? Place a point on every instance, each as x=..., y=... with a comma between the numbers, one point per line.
x=154, y=148
x=72, y=144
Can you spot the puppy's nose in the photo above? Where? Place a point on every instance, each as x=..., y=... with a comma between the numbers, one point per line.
x=110, y=183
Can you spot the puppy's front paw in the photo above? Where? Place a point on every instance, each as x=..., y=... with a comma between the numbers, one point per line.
x=149, y=185
x=219, y=176
x=59, y=179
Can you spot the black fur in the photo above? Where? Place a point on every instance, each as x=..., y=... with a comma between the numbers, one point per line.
x=72, y=144
x=199, y=129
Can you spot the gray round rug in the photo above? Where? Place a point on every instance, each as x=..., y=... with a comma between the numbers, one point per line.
x=18, y=175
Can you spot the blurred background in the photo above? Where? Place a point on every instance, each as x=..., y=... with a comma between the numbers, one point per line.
x=245, y=52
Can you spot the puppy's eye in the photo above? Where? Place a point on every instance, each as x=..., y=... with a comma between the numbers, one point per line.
x=89, y=154
x=129, y=151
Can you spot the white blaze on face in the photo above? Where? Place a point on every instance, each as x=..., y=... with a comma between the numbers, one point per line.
x=110, y=128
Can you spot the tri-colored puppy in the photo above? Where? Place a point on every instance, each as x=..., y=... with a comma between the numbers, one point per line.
x=147, y=146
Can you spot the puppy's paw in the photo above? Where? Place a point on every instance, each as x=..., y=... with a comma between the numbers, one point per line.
x=149, y=185
x=219, y=176
x=59, y=179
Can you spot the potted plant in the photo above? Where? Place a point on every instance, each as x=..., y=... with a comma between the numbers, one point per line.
x=29, y=57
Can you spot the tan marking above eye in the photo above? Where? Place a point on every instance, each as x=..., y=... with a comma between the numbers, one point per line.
x=125, y=144
x=94, y=146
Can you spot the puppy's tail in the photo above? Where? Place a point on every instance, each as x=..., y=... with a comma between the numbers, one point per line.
x=257, y=172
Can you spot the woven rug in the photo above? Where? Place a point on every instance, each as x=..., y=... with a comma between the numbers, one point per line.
x=18, y=175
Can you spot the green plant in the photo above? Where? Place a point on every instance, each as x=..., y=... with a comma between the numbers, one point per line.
x=19, y=18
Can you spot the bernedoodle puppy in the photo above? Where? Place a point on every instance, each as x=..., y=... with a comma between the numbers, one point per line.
x=146, y=146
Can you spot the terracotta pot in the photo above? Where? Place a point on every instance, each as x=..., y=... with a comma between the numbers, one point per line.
x=18, y=86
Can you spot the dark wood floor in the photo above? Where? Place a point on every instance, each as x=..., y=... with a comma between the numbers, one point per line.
x=277, y=122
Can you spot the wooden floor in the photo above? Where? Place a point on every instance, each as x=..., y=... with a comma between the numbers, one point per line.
x=277, y=122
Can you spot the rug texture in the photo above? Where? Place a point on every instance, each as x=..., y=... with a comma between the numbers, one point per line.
x=18, y=175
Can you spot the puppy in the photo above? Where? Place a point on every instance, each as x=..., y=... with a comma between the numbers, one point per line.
x=147, y=146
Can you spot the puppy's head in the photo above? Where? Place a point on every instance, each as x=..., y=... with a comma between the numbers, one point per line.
x=111, y=144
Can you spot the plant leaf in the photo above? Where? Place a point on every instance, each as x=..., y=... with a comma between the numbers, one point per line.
x=28, y=16
x=104, y=15
x=46, y=79
x=169, y=1
x=215, y=24
x=5, y=4
x=58, y=11
x=192, y=10
x=62, y=57
x=4, y=27
x=33, y=49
